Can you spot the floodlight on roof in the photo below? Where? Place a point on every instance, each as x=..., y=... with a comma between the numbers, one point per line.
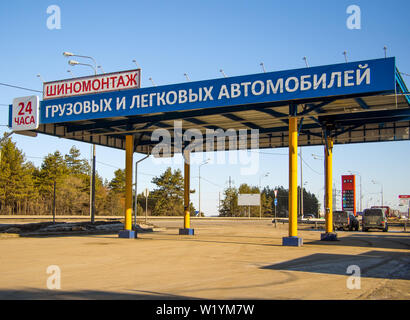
x=153, y=83
x=306, y=62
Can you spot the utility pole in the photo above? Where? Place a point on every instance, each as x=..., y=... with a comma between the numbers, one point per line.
x=136, y=191
x=230, y=196
x=54, y=203
x=219, y=202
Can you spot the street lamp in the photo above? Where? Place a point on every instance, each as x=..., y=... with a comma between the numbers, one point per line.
x=306, y=62
x=75, y=63
x=92, y=186
x=260, y=193
x=199, y=187
x=135, y=61
x=375, y=182
x=41, y=78
x=69, y=54
x=316, y=157
x=153, y=83
x=354, y=172
x=345, y=54
x=223, y=73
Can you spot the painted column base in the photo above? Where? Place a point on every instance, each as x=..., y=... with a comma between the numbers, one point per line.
x=127, y=234
x=186, y=232
x=292, y=241
x=329, y=236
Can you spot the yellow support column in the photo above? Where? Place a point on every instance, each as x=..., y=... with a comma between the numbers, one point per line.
x=293, y=239
x=328, y=185
x=329, y=235
x=187, y=223
x=293, y=175
x=129, y=150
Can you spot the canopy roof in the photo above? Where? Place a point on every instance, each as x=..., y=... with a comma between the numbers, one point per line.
x=354, y=102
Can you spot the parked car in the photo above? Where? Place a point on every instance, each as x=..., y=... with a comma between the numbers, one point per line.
x=343, y=220
x=374, y=219
x=309, y=216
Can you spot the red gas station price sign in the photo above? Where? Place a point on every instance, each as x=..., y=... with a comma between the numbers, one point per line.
x=349, y=193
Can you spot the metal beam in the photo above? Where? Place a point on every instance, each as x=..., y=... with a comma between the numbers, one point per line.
x=362, y=104
x=173, y=115
x=235, y=118
x=316, y=107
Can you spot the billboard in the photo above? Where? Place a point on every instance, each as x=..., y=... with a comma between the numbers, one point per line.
x=249, y=199
x=349, y=193
x=94, y=84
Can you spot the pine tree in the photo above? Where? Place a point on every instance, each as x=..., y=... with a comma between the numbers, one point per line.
x=16, y=183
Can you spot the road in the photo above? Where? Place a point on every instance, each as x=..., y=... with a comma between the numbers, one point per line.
x=226, y=259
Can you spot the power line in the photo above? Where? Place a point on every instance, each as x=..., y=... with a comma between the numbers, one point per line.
x=271, y=153
x=115, y=167
x=311, y=167
x=17, y=87
x=216, y=185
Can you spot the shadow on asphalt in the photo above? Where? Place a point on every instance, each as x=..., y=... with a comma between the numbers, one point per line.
x=45, y=294
x=382, y=241
x=372, y=264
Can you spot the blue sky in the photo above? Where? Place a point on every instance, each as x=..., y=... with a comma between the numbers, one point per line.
x=169, y=38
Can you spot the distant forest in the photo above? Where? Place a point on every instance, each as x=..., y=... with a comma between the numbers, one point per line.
x=28, y=190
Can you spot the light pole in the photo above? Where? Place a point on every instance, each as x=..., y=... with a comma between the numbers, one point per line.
x=135, y=61
x=354, y=172
x=153, y=83
x=74, y=63
x=260, y=193
x=369, y=200
x=92, y=186
x=69, y=54
x=306, y=62
x=136, y=193
x=301, y=183
x=301, y=198
x=41, y=78
x=345, y=54
x=317, y=157
x=375, y=182
x=199, y=186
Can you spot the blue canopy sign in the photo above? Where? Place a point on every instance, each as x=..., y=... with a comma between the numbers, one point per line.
x=370, y=76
